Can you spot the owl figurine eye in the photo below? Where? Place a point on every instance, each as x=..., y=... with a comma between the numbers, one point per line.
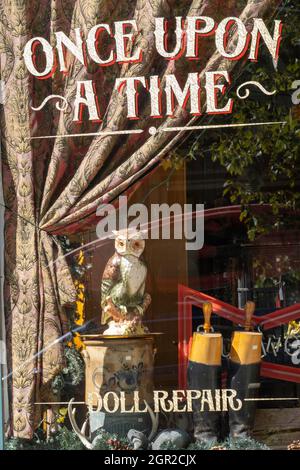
x=137, y=247
x=121, y=245
x=129, y=242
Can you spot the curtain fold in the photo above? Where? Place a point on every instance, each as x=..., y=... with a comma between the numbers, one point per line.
x=54, y=186
x=3, y=364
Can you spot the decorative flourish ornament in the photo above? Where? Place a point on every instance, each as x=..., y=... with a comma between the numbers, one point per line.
x=60, y=106
x=247, y=91
x=123, y=297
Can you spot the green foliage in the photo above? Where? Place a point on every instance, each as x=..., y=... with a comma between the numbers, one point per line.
x=18, y=444
x=65, y=439
x=72, y=375
x=68, y=248
x=108, y=441
x=246, y=443
x=201, y=446
x=262, y=162
x=263, y=167
x=169, y=445
x=176, y=159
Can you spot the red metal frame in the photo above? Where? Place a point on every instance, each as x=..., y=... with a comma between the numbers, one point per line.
x=187, y=298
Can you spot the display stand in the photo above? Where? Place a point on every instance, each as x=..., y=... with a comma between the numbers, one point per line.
x=119, y=366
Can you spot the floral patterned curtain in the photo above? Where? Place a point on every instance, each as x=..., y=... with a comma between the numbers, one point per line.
x=54, y=186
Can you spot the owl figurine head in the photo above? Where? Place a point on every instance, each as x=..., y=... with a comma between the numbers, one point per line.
x=129, y=242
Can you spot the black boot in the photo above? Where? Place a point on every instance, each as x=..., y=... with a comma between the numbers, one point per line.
x=207, y=424
x=244, y=377
x=204, y=373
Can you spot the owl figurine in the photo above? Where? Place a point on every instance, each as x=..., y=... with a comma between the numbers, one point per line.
x=123, y=297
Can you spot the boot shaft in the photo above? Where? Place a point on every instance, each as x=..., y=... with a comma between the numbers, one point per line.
x=204, y=373
x=244, y=377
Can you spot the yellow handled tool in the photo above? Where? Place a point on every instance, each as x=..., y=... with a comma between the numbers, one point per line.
x=207, y=311
x=249, y=310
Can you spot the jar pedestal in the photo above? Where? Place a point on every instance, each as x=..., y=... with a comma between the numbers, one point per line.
x=118, y=366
